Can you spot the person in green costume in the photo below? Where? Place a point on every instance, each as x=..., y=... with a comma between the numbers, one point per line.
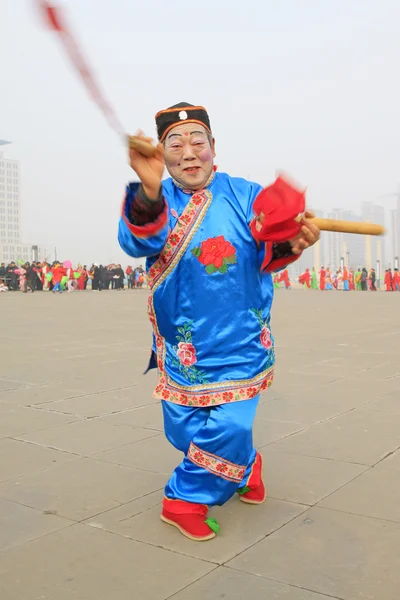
x=357, y=279
x=277, y=285
x=314, y=280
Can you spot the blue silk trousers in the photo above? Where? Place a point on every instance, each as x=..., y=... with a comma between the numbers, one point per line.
x=218, y=446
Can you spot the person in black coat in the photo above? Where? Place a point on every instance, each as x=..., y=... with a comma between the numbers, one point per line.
x=12, y=276
x=96, y=284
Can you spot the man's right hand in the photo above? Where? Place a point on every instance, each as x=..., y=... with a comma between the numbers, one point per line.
x=149, y=169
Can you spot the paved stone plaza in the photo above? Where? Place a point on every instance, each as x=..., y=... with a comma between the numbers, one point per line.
x=83, y=459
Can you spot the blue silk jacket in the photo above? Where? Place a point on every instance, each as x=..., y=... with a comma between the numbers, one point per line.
x=209, y=300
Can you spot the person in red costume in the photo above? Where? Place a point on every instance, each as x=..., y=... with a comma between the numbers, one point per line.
x=388, y=281
x=322, y=279
x=82, y=277
x=58, y=274
x=345, y=278
x=396, y=281
x=285, y=278
x=305, y=278
x=352, y=285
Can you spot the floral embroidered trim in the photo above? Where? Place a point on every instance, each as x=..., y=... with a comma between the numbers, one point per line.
x=179, y=238
x=186, y=355
x=210, y=395
x=216, y=254
x=160, y=344
x=215, y=464
x=265, y=336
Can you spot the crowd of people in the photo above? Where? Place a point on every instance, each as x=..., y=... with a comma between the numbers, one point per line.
x=60, y=277
x=360, y=280
x=63, y=276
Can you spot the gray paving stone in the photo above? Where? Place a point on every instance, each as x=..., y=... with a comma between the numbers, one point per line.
x=154, y=454
x=149, y=417
x=360, y=436
x=87, y=437
x=95, y=405
x=7, y=385
x=376, y=493
x=316, y=405
x=27, y=396
x=267, y=431
x=304, y=479
x=20, y=419
x=81, y=489
x=390, y=403
x=114, y=516
x=235, y=585
x=392, y=461
x=21, y=524
x=333, y=553
x=85, y=563
x=18, y=458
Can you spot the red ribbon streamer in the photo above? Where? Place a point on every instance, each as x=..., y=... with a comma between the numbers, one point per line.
x=55, y=19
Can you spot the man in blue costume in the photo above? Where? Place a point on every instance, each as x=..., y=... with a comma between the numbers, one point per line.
x=210, y=298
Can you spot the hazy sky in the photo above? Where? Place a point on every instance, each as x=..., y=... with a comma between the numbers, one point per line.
x=308, y=86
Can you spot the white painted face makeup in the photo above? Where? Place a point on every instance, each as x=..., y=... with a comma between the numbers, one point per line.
x=189, y=155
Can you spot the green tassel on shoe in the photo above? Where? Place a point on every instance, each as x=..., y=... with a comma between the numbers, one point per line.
x=213, y=525
x=243, y=491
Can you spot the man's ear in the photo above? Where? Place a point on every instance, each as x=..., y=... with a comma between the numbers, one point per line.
x=213, y=147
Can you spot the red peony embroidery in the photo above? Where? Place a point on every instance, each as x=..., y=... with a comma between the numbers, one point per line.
x=216, y=254
x=265, y=338
x=186, y=354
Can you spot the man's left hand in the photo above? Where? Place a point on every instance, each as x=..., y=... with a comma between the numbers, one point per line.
x=307, y=236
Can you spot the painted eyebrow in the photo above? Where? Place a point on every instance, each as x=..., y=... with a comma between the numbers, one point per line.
x=180, y=135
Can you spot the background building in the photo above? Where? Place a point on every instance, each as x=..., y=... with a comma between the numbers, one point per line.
x=9, y=201
x=11, y=246
x=374, y=246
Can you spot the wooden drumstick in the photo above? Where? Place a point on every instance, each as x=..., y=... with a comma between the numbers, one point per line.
x=141, y=146
x=347, y=226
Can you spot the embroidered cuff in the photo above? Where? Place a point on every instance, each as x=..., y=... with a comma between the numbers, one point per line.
x=143, y=210
x=283, y=250
x=215, y=464
x=143, y=221
x=278, y=256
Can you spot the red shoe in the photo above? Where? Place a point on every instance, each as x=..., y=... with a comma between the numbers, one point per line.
x=254, y=492
x=190, y=519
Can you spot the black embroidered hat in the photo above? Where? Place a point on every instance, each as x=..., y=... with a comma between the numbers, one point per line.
x=179, y=114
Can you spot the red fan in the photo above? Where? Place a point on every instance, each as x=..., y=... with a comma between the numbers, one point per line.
x=280, y=210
